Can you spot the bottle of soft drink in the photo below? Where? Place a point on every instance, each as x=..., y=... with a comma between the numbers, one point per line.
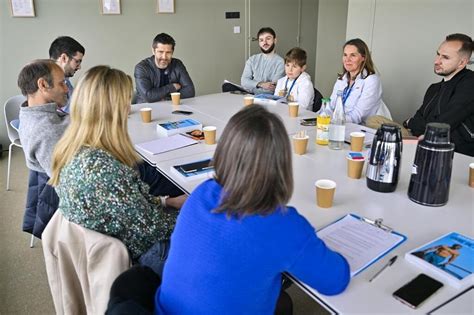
x=322, y=129
x=337, y=126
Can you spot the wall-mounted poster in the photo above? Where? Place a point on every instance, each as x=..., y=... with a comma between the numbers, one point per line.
x=22, y=8
x=110, y=6
x=165, y=6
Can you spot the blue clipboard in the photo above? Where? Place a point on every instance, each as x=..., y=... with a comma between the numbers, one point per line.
x=377, y=223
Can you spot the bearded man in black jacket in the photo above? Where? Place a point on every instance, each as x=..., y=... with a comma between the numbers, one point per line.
x=450, y=101
x=161, y=74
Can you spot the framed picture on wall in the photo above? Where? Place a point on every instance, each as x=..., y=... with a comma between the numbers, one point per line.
x=22, y=8
x=110, y=6
x=165, y=6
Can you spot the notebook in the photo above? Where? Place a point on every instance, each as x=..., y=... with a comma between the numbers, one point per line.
x=166, y=144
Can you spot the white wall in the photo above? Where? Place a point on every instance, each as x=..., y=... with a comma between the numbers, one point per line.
x=331, y=35
x=403, y=36
x=205, y=39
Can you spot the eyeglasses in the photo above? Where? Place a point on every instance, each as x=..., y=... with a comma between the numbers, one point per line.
x=78, y=61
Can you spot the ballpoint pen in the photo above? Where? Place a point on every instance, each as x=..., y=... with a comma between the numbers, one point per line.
x=388, y=264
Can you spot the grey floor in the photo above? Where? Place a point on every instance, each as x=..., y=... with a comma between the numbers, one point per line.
x=23, y=282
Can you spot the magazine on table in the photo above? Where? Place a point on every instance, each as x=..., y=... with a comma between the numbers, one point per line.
x=449, y=257
x=181, y=126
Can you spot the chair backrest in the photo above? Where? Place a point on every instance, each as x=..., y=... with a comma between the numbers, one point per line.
x=81, y=265
x=317, y=100
x=11, y=112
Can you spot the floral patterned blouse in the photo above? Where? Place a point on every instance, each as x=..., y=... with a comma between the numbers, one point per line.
x=100, y=193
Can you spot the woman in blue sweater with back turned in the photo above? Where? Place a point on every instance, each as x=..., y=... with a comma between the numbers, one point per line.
x=235, y=236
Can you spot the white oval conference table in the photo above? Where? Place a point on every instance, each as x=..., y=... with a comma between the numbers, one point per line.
x=420, y=224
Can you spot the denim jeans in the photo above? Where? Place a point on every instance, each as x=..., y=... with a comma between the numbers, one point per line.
x=159, y=184
x=155, y=257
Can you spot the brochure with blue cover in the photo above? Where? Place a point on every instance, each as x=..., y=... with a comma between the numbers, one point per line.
x=181, y=126
x=450, y=257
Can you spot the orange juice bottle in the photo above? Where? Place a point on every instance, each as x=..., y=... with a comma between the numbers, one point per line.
x=322, y=124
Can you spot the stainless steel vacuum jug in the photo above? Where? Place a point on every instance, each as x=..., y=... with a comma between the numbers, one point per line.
x=385, y=158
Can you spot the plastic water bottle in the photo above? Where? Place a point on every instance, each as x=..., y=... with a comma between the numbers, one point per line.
x=322, y=129
x=337, y=126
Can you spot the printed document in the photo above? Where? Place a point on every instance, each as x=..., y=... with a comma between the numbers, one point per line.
x=361, y=243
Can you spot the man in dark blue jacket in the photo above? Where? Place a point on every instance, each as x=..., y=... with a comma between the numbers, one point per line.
x=161, y=74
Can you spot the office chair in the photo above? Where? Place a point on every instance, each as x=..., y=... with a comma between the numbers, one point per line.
x=317, y=100
x=11, y=113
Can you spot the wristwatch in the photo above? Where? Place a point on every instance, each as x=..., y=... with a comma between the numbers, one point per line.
x=163, y=200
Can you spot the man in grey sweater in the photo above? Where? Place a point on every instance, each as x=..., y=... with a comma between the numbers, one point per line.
x=42, y=121
x=263, y=70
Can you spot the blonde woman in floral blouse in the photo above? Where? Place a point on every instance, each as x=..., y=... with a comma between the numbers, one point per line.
x=94, y=168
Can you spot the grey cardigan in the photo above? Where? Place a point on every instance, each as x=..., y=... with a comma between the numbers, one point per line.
x=147, y=80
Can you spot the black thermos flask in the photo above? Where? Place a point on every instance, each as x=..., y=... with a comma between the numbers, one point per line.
x=431, y=171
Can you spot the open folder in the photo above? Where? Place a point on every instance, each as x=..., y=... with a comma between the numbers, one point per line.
x=360, y=240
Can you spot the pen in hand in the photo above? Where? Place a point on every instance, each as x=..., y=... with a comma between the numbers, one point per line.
x=388, y=264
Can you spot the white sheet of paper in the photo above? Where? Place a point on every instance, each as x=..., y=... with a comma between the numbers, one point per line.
x=359, y=242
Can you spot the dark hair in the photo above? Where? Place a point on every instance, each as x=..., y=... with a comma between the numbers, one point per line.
x=253, y=163
x=32, y=72
x=296, y=55
x=363, y=49
x=163, y=39
x=65, y=45
x=466, y=41
x=268, y=30
x=456, y=246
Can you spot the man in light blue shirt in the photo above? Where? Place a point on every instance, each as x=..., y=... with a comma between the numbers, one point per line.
x=68, y=54
x=263, y=70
